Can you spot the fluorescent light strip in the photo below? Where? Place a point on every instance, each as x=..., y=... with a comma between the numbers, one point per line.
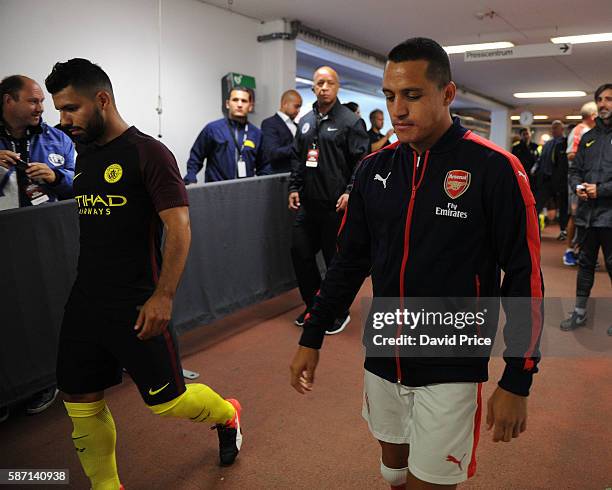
x=541, y=95
x=540, y=117
x=584, y=38
x=303, y=80
x=515, y=118
x=462, y=48
x=574, y=117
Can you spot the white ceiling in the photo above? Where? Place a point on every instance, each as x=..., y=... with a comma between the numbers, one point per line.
x=378, y=25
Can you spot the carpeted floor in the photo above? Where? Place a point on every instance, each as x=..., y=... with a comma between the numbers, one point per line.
x=319, y=440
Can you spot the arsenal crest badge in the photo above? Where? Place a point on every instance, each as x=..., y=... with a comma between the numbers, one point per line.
x=456, y=183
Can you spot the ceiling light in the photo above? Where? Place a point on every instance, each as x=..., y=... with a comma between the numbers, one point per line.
x=541, y=95
x=515, y=118
x=462, y=48
x=574, y=117
x=303, y=80
x=541, y=117
x=585, y=38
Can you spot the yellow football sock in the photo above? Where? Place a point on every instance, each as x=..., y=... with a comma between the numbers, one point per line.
x=199, y=403
x=94, y=437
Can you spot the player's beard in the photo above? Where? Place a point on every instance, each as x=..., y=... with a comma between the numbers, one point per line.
x=606, y=116
x=94, y=129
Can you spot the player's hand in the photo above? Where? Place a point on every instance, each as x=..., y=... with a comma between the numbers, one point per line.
x=591, y=190
x=154, y=316
x=342, y=203
x=389, y=133
x=303, y=369
x=40, y=171
x=8, y=158
x=508, y=413
x=294, y=201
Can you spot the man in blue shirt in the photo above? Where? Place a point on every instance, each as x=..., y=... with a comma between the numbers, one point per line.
x=36, y=166
x=232, y=147
x=36, y=160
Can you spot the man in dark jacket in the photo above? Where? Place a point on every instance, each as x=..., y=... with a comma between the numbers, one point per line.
x=231, y=146
x=591, y=179
x=439, y=214
x=279, y=132
x=330, y=142
x=551, y=176
x=527, y=152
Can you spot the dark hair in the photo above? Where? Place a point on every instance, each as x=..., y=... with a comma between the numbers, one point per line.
x=11, y=86
x=353, y=106
x=241, y=89
x=81, y=74
x=422, y=48
x=524, y=130
x=601, y=88
x=373, y=114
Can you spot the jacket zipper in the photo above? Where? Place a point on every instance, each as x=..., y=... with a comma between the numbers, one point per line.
x=415, y=186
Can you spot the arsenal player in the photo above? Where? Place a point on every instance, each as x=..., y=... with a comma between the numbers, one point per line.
x=440, y=213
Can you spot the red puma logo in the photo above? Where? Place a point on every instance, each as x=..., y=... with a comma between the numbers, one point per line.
x=458, y=462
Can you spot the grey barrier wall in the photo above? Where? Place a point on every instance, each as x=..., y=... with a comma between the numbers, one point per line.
x=240, y=255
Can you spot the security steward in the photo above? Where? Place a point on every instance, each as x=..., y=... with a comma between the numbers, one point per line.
x=330, y=142
x=232, y=146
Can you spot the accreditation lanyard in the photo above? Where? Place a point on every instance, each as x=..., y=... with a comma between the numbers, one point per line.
x=312, y=155
x=240, y=162
x=11, y=170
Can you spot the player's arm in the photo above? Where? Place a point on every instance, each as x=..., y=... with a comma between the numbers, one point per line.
x=164, y=185
x=157, y=311
x=576, y=172
x=513, y=224
x=382, y=142
x=343, y=279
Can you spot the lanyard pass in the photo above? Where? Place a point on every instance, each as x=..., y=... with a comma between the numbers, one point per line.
x=312, y=157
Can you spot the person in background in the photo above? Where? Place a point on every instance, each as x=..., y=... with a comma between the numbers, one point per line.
x=551, y=176
x=46, y=174
x=330, y=142
x=47, y=154
x=588, y=113
x=590, y=177
x=232, y=146
x=279, y=133
x=377, y=139
x=527, y=152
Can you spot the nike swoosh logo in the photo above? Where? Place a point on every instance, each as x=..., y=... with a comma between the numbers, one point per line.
x=75, y=177
x=589, y=143
x=151, y=392
x=80, y=437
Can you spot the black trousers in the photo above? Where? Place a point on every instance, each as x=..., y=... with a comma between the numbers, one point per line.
x=590, y=239
x=315, y=228
x=546, y=190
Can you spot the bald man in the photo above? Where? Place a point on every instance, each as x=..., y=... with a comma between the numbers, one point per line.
x=279, y=133
x=330, y=142
x=48, y=154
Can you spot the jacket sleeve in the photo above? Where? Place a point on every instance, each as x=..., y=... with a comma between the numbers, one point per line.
x=62, y=187
x=199, y=151
x=346, y=274
x=358, y=143
x=296, y=179
x=275, y=153
x=576, y=169
x=262, y=165
x=513, y=225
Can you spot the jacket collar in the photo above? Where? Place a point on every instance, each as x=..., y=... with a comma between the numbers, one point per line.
x=601, y=126
x=331, y=113
x=32, y=130
x=449, y=139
